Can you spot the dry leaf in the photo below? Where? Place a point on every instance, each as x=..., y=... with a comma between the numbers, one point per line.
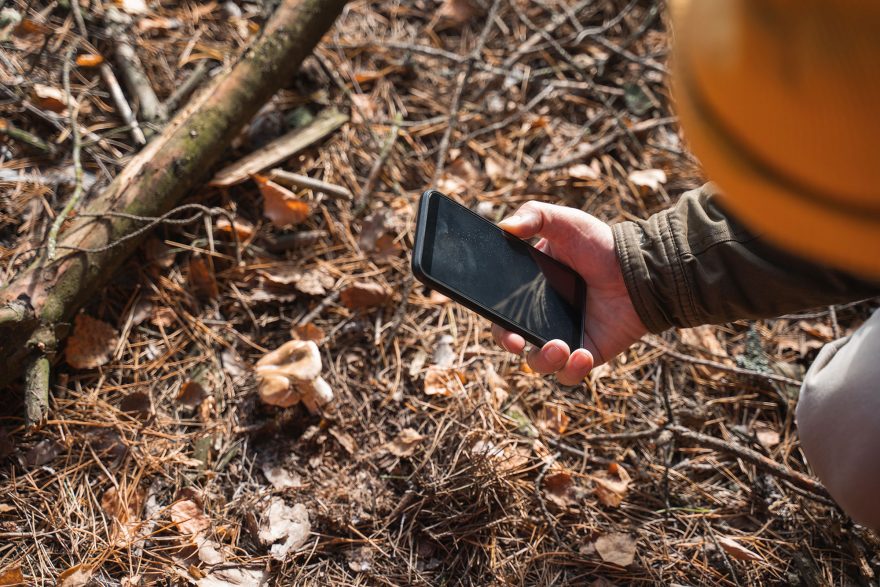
x=43, y=452
x=159, y=23
x=308, y=331
x=91, y=344
x=76, y=576
x=737, y=550
x=281, y=478
x=501, y=172
x=29, y=26
x=617, y=548
x=280, y=205
x=201, y=278
x=611, y=485
x=648, y=178
x=242, y=227
x=191, y=394
x=457, y=12
x=189, y=517
x=49, y=98
x=314, y=282
x=582, y=171
x=767, y=437
x=443, y=382
x=703, y=337
x=345, y=440
x=405, y=443
x=284, y=528
x=123, y=508
x=553, y=419
x=11, y=575
x=817, y=330
x=5, y=508
x=89, y=60
x=364, y=294
x=559, y=488
x=459, y=178
x=235, y=577
x=438, y=298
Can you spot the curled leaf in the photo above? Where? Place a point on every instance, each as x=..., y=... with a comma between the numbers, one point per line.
x=280, y=205
x=364, y=294
x=617, y=548
x=91, y=344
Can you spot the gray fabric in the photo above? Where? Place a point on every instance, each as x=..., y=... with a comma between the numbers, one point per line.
x=837, y=418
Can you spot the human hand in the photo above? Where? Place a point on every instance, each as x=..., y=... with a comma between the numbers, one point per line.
x=585, y=244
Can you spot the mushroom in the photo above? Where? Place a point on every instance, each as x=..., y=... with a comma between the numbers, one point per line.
x=291, y=374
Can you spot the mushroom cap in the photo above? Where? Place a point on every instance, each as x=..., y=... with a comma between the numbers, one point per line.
x=298, y=360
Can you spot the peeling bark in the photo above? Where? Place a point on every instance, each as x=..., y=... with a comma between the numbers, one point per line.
x=160, y=175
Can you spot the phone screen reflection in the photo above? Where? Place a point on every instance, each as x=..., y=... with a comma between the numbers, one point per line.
x=503, y=273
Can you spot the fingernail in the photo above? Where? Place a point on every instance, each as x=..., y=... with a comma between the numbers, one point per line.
x=580, y=361
x=515, y=221
x=555, y=354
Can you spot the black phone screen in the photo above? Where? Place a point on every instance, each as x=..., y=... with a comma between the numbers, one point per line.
x=478, y=260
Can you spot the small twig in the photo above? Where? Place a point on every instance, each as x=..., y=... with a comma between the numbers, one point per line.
x=539, y=496
x=138, y=83
x=835, y=327
x=399, y=313
x=720, y=366
x=304, y=181
x=122, y=104
x=603, y=143
x=316, y=311
x=455, y=105
x=78, y=190
x=23, y=136
x=182, y=92
x=376, y=169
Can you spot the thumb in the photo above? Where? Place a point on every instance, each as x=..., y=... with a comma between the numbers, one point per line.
x=526, y=222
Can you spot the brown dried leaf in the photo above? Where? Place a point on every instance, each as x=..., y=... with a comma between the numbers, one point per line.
x=443, y=382
x=188, y=517
x=552, y=418
x=458, y=178
x=817, y=330
x=314, y=282
x=191, y=394
x=49, y=98
x=280, y=205
x=345, y=440
x=123, y=508
x=648, y=178
x=455, y=13
x=617, y=548
x=364, y=294
x=767, y=437
x=76, y=576
x=29, y=26
x=703, y=337
x=12, y=575
x=201, y=278
x=242, y=227
x=405, y=443
x=737, y=550
x=308, y=331
x=559, y=488
x=612, y=485
x=91, y=344
x=363, y=109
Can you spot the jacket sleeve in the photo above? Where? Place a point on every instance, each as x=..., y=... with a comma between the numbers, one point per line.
x=694, y=264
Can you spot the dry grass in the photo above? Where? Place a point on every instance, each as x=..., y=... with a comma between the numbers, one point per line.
x=470, y=504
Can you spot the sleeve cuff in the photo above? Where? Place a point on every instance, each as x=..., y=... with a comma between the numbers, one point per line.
x=627, y=244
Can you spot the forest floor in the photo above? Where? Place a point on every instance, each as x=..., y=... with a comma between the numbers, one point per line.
x=442, y=459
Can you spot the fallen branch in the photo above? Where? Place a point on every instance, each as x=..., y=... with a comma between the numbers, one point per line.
x=280, y=149
x=158, y=177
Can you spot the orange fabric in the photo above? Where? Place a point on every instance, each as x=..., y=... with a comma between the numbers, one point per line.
x=779, y=100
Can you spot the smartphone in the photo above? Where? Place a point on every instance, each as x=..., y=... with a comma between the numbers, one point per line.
x=497, y=275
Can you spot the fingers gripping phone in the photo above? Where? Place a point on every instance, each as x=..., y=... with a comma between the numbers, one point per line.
x=499, y=276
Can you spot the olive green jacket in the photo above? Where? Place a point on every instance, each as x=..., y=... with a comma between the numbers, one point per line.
x=693, y=264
